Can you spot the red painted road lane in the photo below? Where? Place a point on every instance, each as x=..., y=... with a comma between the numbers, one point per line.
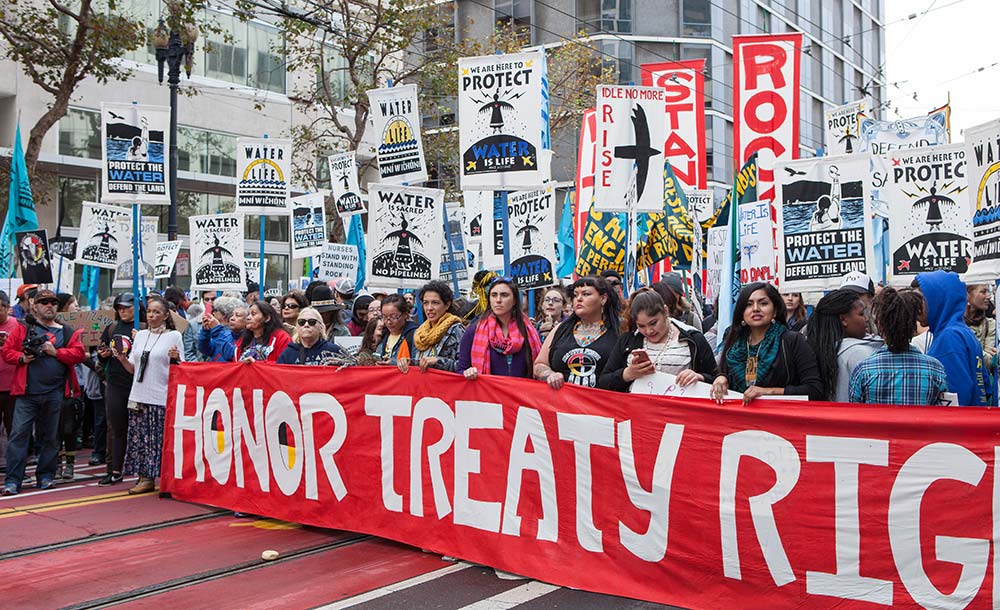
x=304, y=582
x=91, y=571
x=59, y=522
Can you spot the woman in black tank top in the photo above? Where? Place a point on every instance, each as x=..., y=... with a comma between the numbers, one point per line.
x=578, y=349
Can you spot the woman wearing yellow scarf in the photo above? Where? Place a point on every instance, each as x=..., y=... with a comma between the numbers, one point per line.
x=436, y=341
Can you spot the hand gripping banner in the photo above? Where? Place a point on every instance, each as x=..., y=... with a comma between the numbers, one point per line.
x=677, y=501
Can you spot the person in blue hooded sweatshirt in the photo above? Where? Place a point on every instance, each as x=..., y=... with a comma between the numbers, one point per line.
x=953, y=343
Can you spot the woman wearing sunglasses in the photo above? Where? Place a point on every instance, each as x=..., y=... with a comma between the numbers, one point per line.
x=310, y=347
x=292, y=304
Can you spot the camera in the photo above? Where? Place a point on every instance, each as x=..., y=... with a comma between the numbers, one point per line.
x=35, y=339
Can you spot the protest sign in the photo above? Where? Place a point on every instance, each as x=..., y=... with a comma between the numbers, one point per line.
x=251, y=266
x=684, y=84
x=842, y=127
x=147, y=252
x=823, y=209
x=930, y=225
x=101, y=234
x=665, y=384
x=500, y=121
x=532, y=237
x=982, y=152
x=344, y=184
x=91, y=323
x=63, y=271
x=33, y=256
x=493, y=230
x=134, y=163
x=166, y=257
x=308, y=225
x=586, y=172
x=475, y=203
x=405, y=230
x=63, y=246
x=716, y=238
x=263, y=172
x=395, y=121
x=456, y=261
x=338, y=260
x=766, y=103
x=631, y=131
x=603, y=245
x=756, y=243
x=217, y=252
x=677, y=501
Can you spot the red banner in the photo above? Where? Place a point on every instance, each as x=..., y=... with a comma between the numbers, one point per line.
x=685, y=146
x=766, y=102
x=781, y=505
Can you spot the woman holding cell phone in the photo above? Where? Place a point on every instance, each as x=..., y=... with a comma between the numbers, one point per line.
x=657, y=343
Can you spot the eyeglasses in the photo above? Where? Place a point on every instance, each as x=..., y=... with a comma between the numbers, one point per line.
x=47, y=302
x=208, y=299
x=393, y=318
x=290, y=306
x=552, y=300
x=307, y=321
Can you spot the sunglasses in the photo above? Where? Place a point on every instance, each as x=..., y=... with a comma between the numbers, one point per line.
x=614, y=283
x=307, y=322
x=290, y=306
x=47, y=302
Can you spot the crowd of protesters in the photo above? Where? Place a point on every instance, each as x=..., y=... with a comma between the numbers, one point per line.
x=861, y=343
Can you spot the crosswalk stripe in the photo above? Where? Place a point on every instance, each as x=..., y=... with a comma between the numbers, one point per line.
x=393, y=588
x=513, y=597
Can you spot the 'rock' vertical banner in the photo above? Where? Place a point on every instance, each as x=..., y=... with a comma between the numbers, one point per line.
x=766, y=103
x=264, y=172
x=631, y=131
x=684, y=84
x=842, y=127
x=532, y=237
x=500, y=121
x=405, y=230
x=101, y=234
x=822, y=210
x=308, y=225
x=344, y=184
x=930, y=226
x=395, y=122
x=217, y=252
x=134, y=142
x=982, y=151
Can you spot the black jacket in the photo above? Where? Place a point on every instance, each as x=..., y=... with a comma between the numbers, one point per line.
x=794, y=368
x=702, y=358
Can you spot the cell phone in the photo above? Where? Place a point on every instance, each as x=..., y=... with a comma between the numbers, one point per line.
x=121, y=344
x=639, y=355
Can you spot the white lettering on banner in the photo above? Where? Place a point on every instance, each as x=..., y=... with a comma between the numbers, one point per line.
x=847, y=454
x=191, y=423
x=286, y=465
x=386, y=408
x=429, y=408
x=529, y=426
x=473, y=415
x=310, y=405
x=935, y=462
x=782, y=457
x=651, y=546
x=218, y=439
x=584, y=431
x=256, y=444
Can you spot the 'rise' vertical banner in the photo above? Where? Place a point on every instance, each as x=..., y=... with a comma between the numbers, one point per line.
x=684, y=148
x=766, y=103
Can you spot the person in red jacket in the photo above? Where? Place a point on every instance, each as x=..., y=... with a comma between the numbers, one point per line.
x=43, y=378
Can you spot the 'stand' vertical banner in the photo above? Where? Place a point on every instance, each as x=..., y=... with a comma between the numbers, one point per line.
x=684, y=148
x=766, y=102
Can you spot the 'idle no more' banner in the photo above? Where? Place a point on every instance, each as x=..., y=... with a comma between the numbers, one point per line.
x=677, y=501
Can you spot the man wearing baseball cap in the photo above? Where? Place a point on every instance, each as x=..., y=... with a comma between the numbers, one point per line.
x=43, y=377
x=25, y=293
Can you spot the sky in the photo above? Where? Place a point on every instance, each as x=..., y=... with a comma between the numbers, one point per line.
x=941, y=52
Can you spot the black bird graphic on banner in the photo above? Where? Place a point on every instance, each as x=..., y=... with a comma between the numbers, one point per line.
x=794, y=172
x=641, y=151
x=116, y=116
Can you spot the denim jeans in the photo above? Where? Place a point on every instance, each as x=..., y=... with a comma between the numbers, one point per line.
x=43, y=411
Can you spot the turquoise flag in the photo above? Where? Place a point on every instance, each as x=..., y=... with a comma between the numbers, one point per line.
x=565, y=251
x=356, y=237
x=20, y=207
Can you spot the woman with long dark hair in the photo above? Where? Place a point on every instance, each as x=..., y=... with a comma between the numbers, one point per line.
x=760, y=356
x=977, y=303
x=117, y=383
x=654, y=343
x=437, y=340
x=578, y=349
x=264, y=337
x=837, y=332
x=898, y=374
x=501, y=341
x=359, y=314
x=153, y=350
x=796, y=308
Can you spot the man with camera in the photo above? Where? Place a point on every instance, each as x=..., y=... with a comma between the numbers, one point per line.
x=43, y=353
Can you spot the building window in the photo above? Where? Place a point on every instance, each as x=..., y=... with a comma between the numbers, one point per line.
x=604, y=15
x=80, y=134
x=266, y=54
x=72, y=193
x=621, y=55
x=206, y=152
x=689, y=51
x=443, y=30
x=516, y=13
x=276, y=228
x=696, y=18
x=227, y=59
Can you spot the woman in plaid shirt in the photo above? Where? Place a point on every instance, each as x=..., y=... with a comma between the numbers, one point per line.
x=898, y=374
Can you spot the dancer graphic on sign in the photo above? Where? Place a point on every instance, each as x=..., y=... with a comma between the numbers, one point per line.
x=827, y=214
x=404, y=253
x=139, y=150
x=496, y=106
x=218, y=270
x=848, y=140
x=933, y=202
x=525, y=232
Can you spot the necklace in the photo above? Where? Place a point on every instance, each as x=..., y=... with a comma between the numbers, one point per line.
x=585, y=334
x=751, y=373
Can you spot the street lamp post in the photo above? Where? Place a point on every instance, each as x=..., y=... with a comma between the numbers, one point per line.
x=173, y=48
